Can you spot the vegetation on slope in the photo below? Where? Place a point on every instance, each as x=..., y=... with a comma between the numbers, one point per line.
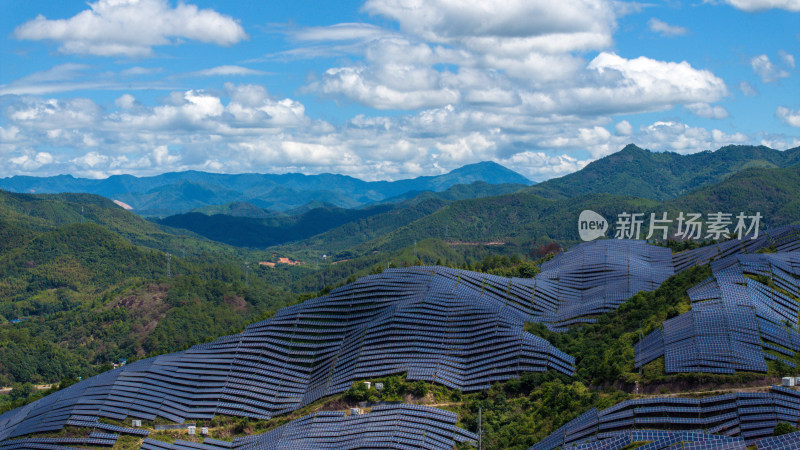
x=663, y=176
x=264, y=232
x=82, y=294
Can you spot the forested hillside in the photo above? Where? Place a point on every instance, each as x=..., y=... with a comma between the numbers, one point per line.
x=662, y=176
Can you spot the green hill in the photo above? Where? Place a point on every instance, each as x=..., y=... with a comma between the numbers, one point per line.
x=236, y=209
x=775, y=193
x=86, y=292
x=263, y=232
x=661, y=176
x=41, y=212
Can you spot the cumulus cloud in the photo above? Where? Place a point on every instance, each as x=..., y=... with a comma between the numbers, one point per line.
x=623, y=128
x=763, y=5
x=363, y=85
x=766, y=70
x=685, y=139
x=665, y=29
x=397, y=74
x=126, y=101
x=49, y=114
x=31, y=160
x=525, y=24
x=525, y=56
x=132, y=28
x=528, y=40
x=641, y=84
x=707, y=111
x=789, y=117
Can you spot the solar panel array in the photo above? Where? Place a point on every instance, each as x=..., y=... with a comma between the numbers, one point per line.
x=596, y=277
x=736, y=323
x=661, y=439
x=435, y=324
x=459, y=328
x=789, y=441
x=784, y=239
x=390, y=426
x=724, y=421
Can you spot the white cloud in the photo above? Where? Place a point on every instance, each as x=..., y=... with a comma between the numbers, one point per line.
x=665, y=29
x=529, y=24
x=765, y=69
x=359, y=83
x=52, y=113
x=748, y=89
x=789, y=117
x=398, y=74
x=532, y=40
x=541, y=166
x=685, y=139
x=162, y=158
x=126, y=101
x=91, y=159
x=707, y=111
x=763, y=5
x=525, y=57
x=787, y=58
x=641, y=84
x=224, y=71
x=138, y=70
x=71, y=76
x=625, y=8
x=623, y=128
x=340, y=32
x=31, y=160
x=132, y=28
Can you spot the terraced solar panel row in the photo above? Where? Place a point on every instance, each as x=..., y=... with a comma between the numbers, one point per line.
x=784, y=239
x=736, y=322
x=596, y=277
x=667, y=440
x=391, y=426
x=728, y=421
x=434, y=324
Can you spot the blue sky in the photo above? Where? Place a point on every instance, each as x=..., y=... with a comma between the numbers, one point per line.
x=387, y=89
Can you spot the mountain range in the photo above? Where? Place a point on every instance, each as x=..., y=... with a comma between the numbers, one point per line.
x=631, y=180
x=177, y=192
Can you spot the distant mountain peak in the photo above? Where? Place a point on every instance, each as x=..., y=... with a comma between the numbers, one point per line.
x=633, y=149
x=489, y=171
